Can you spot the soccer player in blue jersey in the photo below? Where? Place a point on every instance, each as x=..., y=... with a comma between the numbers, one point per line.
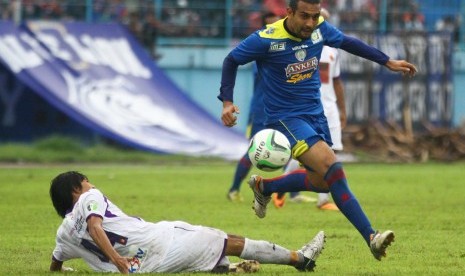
x=256, y=122
x=287, y=54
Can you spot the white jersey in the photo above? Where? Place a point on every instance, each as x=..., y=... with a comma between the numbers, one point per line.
x=154, y=247
x=329, y=69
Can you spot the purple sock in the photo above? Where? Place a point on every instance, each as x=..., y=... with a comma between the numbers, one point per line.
x=295, y=181
x=346, y=201
x=242, y=169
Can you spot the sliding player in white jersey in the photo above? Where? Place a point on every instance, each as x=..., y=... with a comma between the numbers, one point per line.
x=108, y=240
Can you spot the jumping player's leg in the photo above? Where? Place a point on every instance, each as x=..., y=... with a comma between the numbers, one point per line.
x=308, y=135
x=321, y=158
x=243, y=168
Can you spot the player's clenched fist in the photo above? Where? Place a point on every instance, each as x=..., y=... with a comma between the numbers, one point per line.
x=228, y=115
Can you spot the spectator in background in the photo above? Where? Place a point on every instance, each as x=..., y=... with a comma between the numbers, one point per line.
x=277, y=7
x=451, y=24
x=6, y=10
x=245, y=14
x=30, y=10
x=413, y=19
x=51, y=10
x=149, y=33
x=405, y=15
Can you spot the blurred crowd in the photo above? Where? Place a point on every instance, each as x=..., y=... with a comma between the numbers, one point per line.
x=211, y=19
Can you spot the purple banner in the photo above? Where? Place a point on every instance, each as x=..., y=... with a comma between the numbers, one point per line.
x=100, y=76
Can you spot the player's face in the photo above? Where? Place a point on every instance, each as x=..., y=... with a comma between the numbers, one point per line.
x=304, y=20
x=86, y=185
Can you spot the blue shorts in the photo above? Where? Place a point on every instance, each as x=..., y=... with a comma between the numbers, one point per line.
x=303, y=131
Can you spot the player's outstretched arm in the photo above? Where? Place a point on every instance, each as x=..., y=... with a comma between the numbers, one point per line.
x=228, y=115
x=401, y=66
x=94, y=224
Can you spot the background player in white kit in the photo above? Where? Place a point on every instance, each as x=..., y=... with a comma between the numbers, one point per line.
x=108, y=240
x=332, y=98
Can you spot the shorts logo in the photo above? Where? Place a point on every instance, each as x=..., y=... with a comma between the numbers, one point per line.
x=277, y=46
x=316, y=36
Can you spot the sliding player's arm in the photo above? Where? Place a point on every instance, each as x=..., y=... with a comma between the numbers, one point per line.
x=94, y=225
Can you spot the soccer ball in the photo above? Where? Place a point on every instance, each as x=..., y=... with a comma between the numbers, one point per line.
x=269, y=150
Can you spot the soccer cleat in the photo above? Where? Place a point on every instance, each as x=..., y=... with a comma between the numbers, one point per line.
x=245, y=266
x=260, y=200
x=278, y=200
x=235, y=196
x=311, y=251
x=328, y=206
x=302, y=199
x=379, y=242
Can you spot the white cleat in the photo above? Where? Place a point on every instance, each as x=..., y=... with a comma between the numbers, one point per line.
x=260, y=200
x=379, y=242
x=311, y=251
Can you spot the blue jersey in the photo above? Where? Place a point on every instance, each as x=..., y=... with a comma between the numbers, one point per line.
x=257, y=108
x=288, y=67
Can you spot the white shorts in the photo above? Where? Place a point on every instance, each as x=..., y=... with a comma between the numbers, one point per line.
x=336, y=137
x=194, y=248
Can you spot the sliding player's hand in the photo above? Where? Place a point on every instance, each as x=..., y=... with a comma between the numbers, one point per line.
x=228, y=115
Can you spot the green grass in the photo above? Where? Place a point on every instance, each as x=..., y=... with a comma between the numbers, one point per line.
x=422, y=203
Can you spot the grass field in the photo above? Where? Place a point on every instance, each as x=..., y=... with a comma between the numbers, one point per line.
x=422, y=203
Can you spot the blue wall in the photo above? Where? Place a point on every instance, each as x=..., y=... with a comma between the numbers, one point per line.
x=459, y=88
x=198, y=72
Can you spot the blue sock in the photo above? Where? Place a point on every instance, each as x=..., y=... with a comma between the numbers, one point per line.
x=294, y=181
x=242, y=169
x=346, y=201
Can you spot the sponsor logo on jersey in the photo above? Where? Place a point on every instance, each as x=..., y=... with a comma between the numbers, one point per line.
x=277, y=46
x=136, y=261
x=316, y=36
x=295, y=48
x=78, y=224
x=299, y=71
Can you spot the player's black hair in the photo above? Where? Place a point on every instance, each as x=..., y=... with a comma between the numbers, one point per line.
x=293, y=3
x=61, y=190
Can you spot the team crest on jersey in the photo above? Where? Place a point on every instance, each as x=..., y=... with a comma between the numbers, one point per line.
x=300, y=54
x=270, y=30
x=277, y=46
x=316, y=36
x=92, y=205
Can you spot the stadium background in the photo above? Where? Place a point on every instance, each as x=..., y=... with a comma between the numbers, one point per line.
x=188, y=39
